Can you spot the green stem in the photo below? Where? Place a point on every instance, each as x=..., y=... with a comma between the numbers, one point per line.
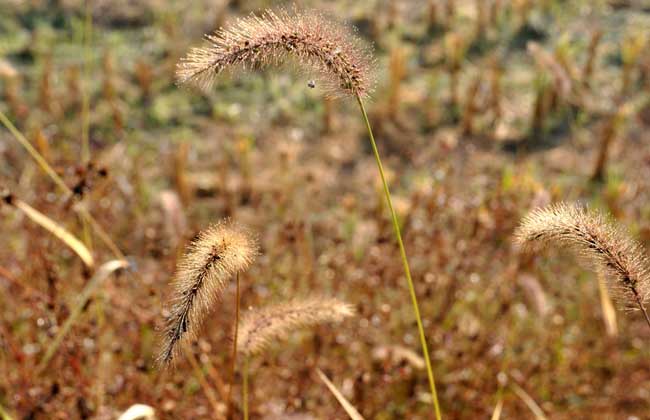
x=234, y=351
x=34, y=153
x=245, y=388
x=85, y=94
x=407, y=270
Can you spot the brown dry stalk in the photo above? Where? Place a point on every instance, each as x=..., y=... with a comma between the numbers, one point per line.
x=217, y=254
x=261, y=327
x=597, y=240
x=257, y=41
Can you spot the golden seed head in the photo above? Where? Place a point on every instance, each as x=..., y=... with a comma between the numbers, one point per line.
x=597, y=240
x=261, y=327
x=216, y=255
x=344, y=66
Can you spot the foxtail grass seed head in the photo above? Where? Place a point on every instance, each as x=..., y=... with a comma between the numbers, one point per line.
x=332, y=51
x=597, y=240
x=260, y=328
x=216, y=255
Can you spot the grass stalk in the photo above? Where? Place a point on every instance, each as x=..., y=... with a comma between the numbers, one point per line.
x=407, y=270
x=85, y=94
x=234, y=349
x=349, y=408
x=34, y=153
x=40, y=160
x=200, y=376
x=4, y=415
x=528, y=400
x=57, y=230
x=245, y=387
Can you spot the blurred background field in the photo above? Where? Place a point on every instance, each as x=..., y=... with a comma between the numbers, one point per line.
x=482, y=110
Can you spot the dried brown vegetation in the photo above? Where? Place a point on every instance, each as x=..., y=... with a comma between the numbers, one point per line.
x=107, y=157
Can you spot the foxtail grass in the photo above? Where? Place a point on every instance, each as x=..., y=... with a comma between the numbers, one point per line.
x=598, y=241
x=260, y=328
x=271, y=38
x=344, y=67
x=216, y=255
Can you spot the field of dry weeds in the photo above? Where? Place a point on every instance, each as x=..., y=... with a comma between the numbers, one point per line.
x=111, y=166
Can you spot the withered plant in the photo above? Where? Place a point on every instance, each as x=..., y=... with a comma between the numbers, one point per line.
x=455, y=49
x=216, y=255
x=495, y=101
x=592, y=50
x=343, y=65
x=260, y=328
x=470, y=107
x=598, y=241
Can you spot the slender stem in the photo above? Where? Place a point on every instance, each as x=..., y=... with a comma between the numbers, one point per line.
x=407, y=270
x=200, y=376
x=40, y=160
x=640, y=303
x=34, y=153
x=245, y=388
x=85, y=94
x=234, y=351
x=85, y=108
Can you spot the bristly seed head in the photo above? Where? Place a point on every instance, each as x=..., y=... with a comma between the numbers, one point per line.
x=257, y=41
x=260, y=327
x=217, y=254
x=597, y=240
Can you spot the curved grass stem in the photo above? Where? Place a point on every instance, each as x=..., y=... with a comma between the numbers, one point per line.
x=42, y=163
x=407, y=270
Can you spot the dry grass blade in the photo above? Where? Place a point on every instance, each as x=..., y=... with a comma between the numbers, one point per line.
x=33, y=152
x=59, y=182
x=261, y=327
x=273, y=37
x=349, y=408
x=496, y=414
x=597, y=240
x=217, y=254
x=200, y=376
x=609, y=313
x=97, y=279
x=138, y=412
x=4, y=415
x=529, y=401
x=54, y=228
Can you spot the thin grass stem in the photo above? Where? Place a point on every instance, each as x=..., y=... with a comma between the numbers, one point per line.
x=234, y=349
x=200, y=376
x=85, y=94
x=34, y=153
x=245, y=387
x=40, y=160
x=407, y=270
x=4, y=415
